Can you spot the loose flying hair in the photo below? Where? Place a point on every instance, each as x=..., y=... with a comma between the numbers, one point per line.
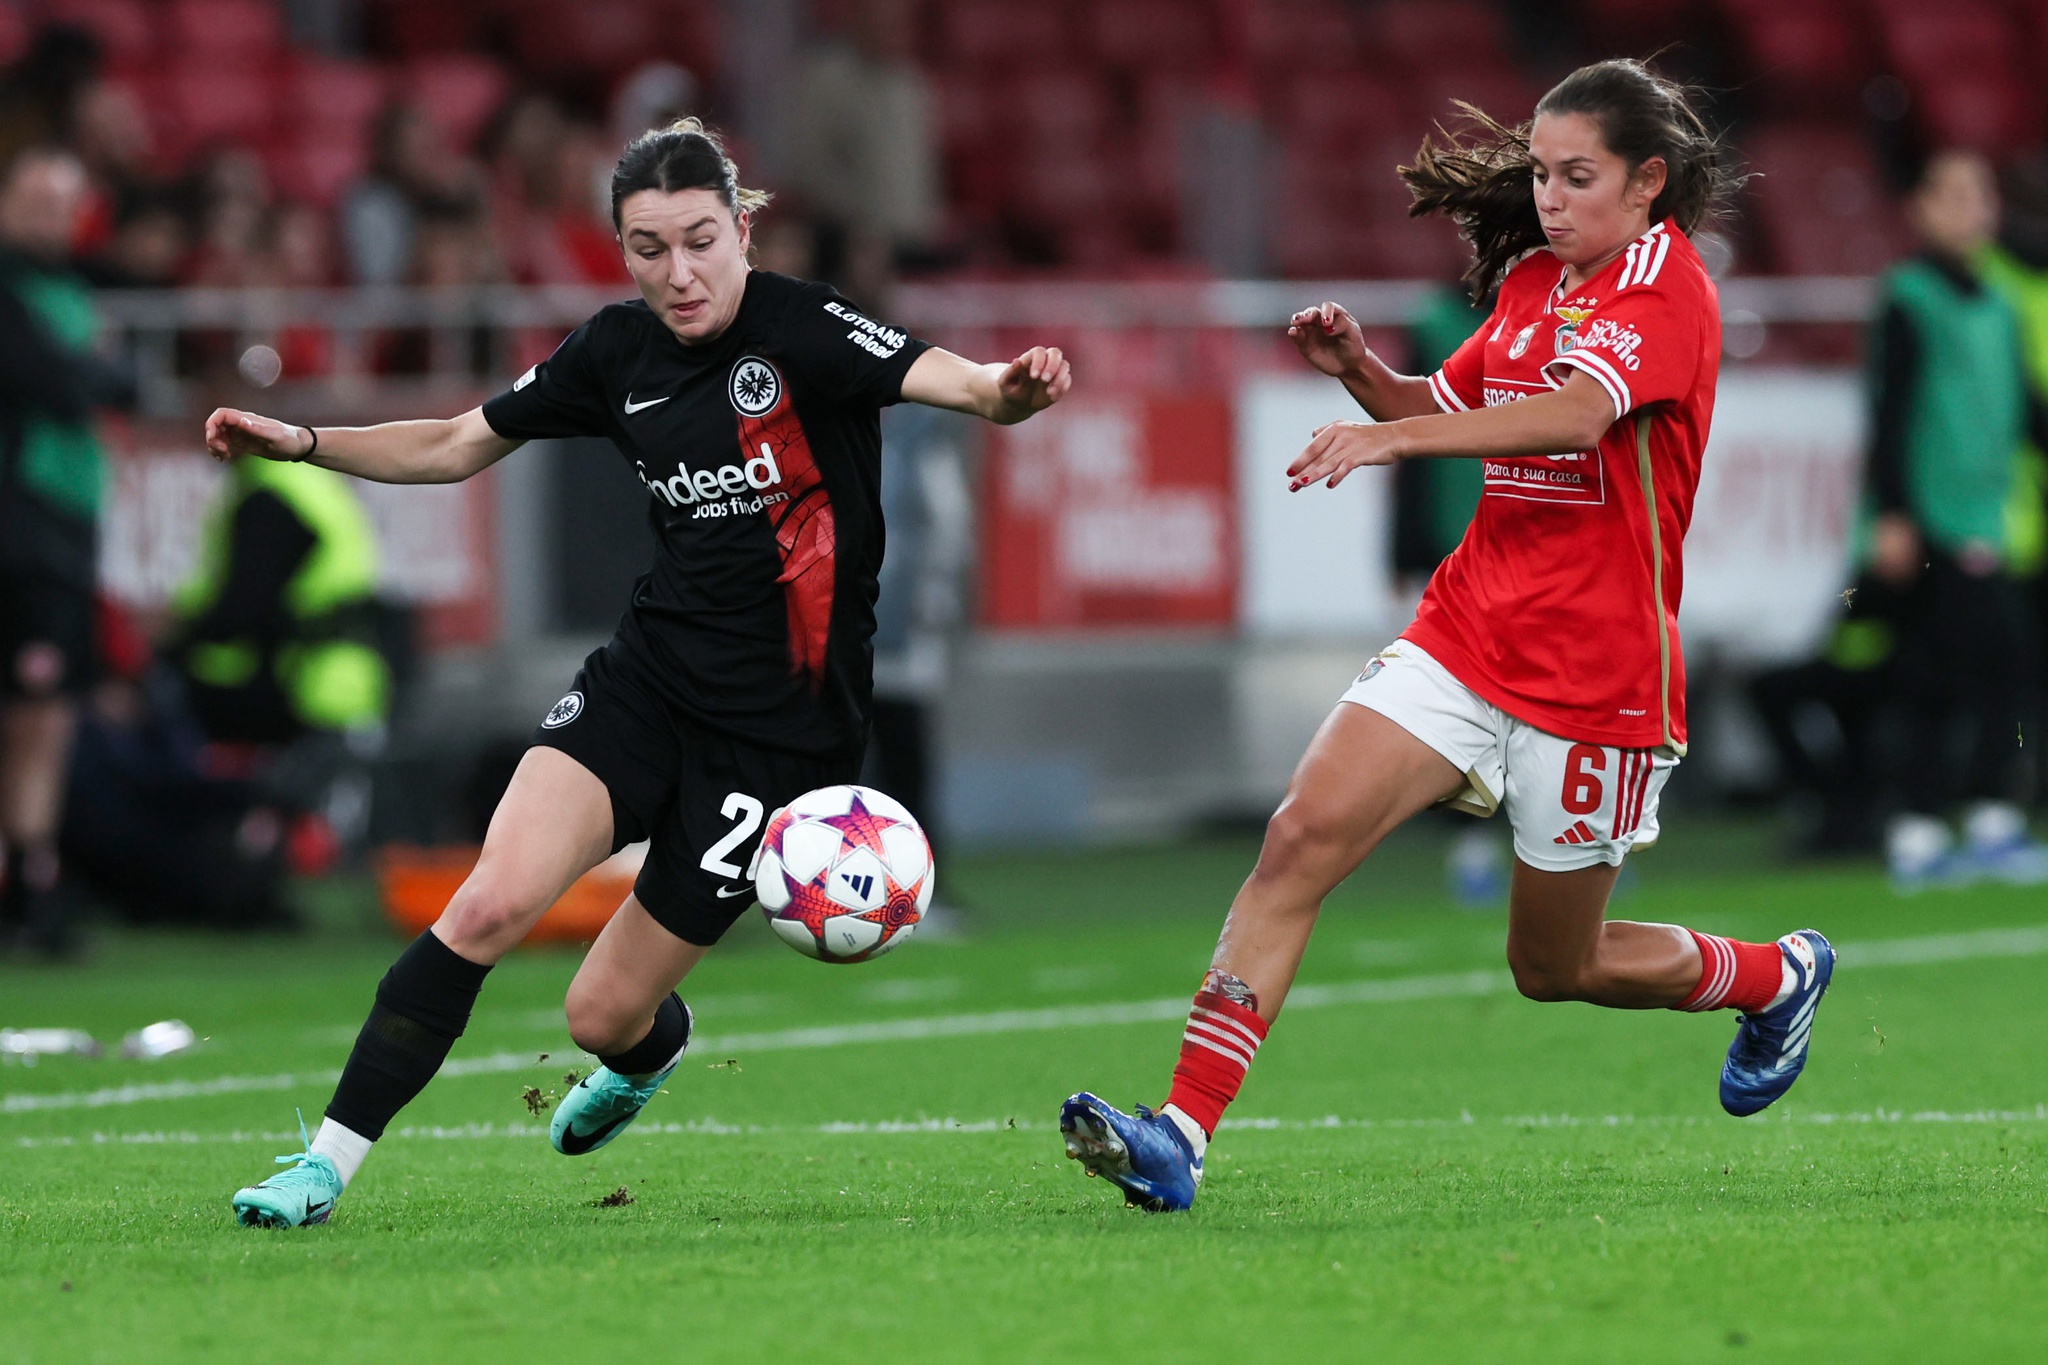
x=685, y=155
x=1479, y=177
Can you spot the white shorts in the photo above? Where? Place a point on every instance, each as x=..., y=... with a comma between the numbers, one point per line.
x=1572, y=805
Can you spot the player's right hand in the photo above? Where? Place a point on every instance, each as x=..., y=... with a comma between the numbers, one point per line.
x=232, y=433
x=1329, y=338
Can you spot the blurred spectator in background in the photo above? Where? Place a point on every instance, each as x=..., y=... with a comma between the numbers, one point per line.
x=1952, y=407
x=277, y=626
x=865, y=150
x=111, y=135
x=39, y=94
x=655, y=95
x=233, y=190
x=51, y=476
x=412, y=171
x=146, y=246
x=550, y=196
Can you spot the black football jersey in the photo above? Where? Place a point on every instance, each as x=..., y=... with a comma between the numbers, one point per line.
x=761, y=454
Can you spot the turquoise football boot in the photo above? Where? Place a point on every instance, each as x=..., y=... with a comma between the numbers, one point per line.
x=297, y=1198
x=598, y=1107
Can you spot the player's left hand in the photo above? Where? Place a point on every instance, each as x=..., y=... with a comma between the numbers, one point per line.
x=1341, y=447
x=1033, y=382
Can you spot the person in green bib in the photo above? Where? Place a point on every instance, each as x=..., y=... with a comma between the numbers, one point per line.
x=278, y=626
x=51, y=476
x=1952, y=411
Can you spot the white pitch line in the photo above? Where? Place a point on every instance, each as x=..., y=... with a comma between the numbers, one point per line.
x=479, y=1132
x=1900, y=952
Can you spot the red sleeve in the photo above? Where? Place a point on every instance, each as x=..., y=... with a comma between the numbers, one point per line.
x=1459, y=384
x=1641, y=343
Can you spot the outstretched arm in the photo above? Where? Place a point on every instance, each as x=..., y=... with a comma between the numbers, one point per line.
x=1003, y=394
x=1329, y=338
x=439, y=450
x=1570, y=419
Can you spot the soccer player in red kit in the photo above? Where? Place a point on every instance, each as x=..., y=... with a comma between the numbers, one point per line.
x=1542, y=673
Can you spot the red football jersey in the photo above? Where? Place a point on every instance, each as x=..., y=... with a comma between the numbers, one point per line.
x=1560, y=606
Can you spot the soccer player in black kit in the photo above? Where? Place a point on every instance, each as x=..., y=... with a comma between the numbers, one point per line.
x=749, y=405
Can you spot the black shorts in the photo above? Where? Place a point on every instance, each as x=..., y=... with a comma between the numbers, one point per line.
x=698, y=795
x=47, y=645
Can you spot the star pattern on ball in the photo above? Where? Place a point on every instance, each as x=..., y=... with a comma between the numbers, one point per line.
x=859, y=827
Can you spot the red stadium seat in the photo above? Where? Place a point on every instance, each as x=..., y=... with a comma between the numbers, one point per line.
x=1632, y=27
x=459, y=91
x=1426, y=35
x=223, y=28
x=14, y=34
x=317, y=170
x=193, y=107
x=126, y=28
x=1806, y=59
x=999, y=33
x=1281, y=38
x=1326, y=110
x=330, y=97
x=1989, y=114
x=417, y=28
x=1156, y=35
x=602, y=36
x=1502, y=94
x=1820, y=202
x=1069, y=108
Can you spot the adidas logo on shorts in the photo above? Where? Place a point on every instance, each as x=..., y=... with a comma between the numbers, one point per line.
x=1577, y=834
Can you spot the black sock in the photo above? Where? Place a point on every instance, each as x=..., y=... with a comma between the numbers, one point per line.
x=671, y=1030
x=423, y=1004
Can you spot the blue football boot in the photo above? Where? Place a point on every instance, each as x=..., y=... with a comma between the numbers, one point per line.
x=1145, y=1155
x=598, y=1107
x=300, y=1197
x=1769, y=1050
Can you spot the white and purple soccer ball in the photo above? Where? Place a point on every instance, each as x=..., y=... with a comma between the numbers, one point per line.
x=844, y=874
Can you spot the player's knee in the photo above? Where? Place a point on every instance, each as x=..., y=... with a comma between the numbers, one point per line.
x=597, y=1021
x=1543, y=980
x=1300, y=839
x=485, y=920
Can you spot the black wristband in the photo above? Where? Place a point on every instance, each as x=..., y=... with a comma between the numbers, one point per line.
x=311, y=450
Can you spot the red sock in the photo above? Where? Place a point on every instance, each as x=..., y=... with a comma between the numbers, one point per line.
x=1735, y=976
x=1217, y=1049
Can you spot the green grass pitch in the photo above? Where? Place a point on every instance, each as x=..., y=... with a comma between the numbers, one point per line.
x=1423, y=1165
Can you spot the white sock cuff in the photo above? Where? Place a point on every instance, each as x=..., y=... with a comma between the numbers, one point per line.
x=345, y=1147
x=1189, y=1129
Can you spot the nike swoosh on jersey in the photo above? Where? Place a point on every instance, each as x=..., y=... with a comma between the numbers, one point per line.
x=726, y=893
x=632, y=407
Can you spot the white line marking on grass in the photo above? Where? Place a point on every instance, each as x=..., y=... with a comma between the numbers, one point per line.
x=480, y=1132
x=1901, y=952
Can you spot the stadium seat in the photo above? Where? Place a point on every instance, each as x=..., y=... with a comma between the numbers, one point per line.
x=1800, y=59
x=14, y=34
x=1992, y=115
x=1616, y=27
x=1068, y=108
x=999, y=34
x=604, y=37
x=1496, y=90
x=418, y=28
x=193, y=108
x=1156, y=35
x=247, y=29
x=316, y=169
x=1278, y=39
x=1429, y=35
x=459, y=91
x=1819, y=201
x=330, y=97
x=1335, y=111
x=126, y=28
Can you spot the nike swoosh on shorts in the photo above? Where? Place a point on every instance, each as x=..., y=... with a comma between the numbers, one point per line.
x=726, y=893
x=632, y=407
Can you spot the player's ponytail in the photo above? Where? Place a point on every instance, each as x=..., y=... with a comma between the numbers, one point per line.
x=1480, y=176
x=685, y=155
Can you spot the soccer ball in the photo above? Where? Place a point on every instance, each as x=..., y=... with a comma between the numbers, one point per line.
x=844, y=874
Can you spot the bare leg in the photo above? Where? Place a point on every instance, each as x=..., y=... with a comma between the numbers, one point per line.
x=628, y=972
x=553, y=825
x=1362, y=776
x=1561, y=946
x=35, y=746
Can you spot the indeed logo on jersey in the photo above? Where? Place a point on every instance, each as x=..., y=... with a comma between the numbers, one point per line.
x=730, y=482
x=871, y=337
